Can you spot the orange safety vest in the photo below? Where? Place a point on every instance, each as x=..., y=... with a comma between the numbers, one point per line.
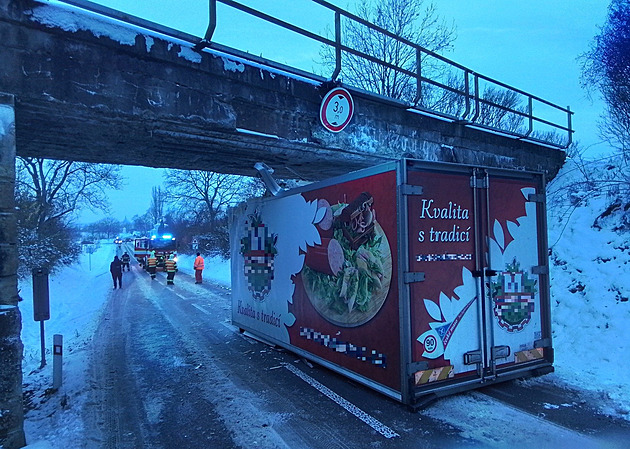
x=152, y=262
x=198, y=263
x=170, y=265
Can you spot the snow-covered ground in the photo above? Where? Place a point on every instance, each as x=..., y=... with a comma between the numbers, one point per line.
x=590, y=313
x=589, y=287
x=75, y=307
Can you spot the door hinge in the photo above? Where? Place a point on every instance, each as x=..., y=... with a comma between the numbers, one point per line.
x=413, y=276
x=478, y=183
x=540, y=269
x=536, y=197
x=408, y=189
x=414, y=367
x=472, y=357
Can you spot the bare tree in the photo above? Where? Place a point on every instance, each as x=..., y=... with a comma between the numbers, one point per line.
x=47, y=193
x=203, y=196
x=58, y=188
x=606, y=68
x=107, y=227
x=199, y=201
x=495, y=110
x=413, y=20
x=142, y=223
x=417, y=21
x=156, y=209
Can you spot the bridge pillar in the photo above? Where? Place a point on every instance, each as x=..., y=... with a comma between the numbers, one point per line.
x=11, y=409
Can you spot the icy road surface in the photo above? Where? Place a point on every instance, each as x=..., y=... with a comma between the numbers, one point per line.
x=168, y=370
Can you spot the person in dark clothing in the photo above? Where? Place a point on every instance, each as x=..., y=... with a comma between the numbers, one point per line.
x=115, y=268
x=125, y=259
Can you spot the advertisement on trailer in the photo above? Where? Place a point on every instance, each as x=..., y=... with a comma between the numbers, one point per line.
x=316, y=270
x=442, y=245
x=413, y=278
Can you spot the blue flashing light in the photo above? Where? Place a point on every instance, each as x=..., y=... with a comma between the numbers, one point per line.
x=167, y=236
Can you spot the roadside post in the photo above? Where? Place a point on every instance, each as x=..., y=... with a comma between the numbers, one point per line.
x=41, y=304
x=57, y=360
x=91, y=249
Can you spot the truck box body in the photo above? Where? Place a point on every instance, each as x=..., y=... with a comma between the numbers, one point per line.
x=416, y=279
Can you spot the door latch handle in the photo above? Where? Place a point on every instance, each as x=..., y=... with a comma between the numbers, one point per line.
x=472, y=357
x=500, y=352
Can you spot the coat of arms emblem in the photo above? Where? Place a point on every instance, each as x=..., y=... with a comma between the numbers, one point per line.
x=258, y=247
x=513, y=295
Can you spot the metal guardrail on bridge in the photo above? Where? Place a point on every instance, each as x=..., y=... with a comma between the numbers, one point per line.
x=441, y=86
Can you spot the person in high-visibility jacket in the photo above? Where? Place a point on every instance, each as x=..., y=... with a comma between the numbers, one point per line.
x=198, y=266
x=152, y=264
x=171, y=268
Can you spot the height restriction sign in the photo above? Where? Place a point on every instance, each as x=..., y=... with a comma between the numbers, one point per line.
x=336, y=110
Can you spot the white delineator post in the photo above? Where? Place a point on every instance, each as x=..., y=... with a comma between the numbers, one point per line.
x=57, y=361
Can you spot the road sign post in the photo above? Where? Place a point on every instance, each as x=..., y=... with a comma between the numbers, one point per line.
x=41, y=305
x=90, y=248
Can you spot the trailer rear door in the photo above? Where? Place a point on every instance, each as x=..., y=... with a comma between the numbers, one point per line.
x=475, y=276
x=516, y=269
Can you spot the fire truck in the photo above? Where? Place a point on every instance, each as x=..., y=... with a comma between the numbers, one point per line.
x=162, y=242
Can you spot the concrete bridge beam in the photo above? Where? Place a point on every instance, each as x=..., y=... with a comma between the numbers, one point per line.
x=131, y=97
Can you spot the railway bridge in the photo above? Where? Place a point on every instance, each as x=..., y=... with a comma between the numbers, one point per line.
x=82, y=82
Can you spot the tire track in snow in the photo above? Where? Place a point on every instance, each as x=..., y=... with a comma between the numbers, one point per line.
x=239, y=409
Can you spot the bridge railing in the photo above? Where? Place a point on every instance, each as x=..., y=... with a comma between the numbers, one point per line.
x=429, y=83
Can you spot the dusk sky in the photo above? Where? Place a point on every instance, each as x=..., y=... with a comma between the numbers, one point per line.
x=531, y=45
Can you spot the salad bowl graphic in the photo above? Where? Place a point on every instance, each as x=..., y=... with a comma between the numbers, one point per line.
x=347, y=277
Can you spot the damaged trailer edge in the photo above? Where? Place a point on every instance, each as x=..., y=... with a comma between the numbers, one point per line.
x=416, y=279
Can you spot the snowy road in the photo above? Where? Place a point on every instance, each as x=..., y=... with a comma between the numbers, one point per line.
x=169, y=371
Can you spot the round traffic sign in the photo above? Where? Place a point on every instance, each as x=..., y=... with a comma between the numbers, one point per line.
x=336, y=110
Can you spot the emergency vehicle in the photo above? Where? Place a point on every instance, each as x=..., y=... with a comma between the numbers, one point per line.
x=161, y=241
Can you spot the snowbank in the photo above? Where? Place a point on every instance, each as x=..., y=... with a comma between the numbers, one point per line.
x=77, y=295
x=589, y=290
